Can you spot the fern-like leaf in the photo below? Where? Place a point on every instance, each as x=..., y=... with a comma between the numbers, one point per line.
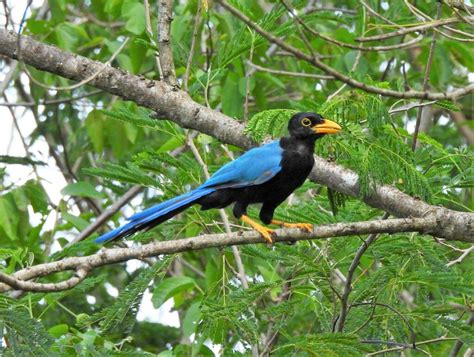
x=269, y=122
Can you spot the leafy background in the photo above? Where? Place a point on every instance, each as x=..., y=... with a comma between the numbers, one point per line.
x=403, y=289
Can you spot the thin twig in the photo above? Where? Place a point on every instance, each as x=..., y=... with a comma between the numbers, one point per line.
x=53, y=101
x=354, y=47
x=406, y=108
x=149, y=30
x=426, y=79
x=8, y=77
x=435, y=340
x=248, y=75
x=378, y=15
x=417, y=12
x=398, y=313
x=340, y=76
x=288, y=73
x=354, y=65
x=341, y=318
x=461, y=257
x=223, y=214
x=197, y=23
x=292, y=13
x=458, y=345
x=422, y=27
x=22, y=139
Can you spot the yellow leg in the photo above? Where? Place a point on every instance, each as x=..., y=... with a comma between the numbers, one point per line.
x=265, y=232
x=308, y=227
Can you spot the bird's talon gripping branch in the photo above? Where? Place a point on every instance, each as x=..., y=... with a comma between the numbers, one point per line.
x=308, y=227
x=265, y=232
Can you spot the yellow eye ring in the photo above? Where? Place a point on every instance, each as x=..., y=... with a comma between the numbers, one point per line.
x=306, y=122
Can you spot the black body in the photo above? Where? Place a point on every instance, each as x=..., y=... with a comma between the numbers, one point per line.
x=297, y=163
x=291, y=163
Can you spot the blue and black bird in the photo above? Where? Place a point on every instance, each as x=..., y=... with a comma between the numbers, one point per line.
x=267, y=174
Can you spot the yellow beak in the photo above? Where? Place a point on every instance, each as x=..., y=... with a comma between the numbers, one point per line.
x=327, y=127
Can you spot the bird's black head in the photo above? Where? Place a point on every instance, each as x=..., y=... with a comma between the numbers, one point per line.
x=311, y=126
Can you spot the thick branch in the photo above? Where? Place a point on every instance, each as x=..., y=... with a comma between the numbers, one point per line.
x=160, y=97
x=117, y=255
x=177, y=106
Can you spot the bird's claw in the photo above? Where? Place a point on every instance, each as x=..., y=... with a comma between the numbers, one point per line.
x=266, y=233
x=308, y=227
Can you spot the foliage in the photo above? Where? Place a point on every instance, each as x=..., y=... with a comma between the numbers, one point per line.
x=403, y=289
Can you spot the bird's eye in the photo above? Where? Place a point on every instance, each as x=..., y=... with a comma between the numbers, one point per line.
x=306, y=122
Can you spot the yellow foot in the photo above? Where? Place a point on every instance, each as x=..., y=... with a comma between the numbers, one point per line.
x=308, y=227
x=265, y=232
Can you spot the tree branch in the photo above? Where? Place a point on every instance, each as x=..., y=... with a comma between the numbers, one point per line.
x=165, y=16
x=458, y=345
x=341, y=318
x=426, y=80
x=117, y=255
x=177, y=106
x=340, y=76
x=404, y=31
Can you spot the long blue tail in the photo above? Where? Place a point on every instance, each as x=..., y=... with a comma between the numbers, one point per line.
x=155, y=215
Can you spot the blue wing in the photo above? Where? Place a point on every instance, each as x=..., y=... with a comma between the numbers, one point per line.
x=255, y=167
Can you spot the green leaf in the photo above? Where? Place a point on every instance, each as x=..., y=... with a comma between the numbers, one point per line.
x=57, y=9
x=171, y=144
x=446, y=104
x=113, y=7
x=269, y=122
x=464, y=332
x=9, y=218
x=26, y=335
x=170, y=287
x=37, y=196
x=95, y=129
x=58, y=330
x=328, y=344
x=81, y=189
x=78, y=222
x=134, y=12
x=69, y=36
x=139, y=119
x=123, y=310
x=19, y=160
x=191, y=319
x=232, y=100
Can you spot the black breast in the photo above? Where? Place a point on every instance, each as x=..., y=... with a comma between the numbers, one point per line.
x=297, y=163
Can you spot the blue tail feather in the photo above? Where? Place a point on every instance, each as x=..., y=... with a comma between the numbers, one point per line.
x=140, y=220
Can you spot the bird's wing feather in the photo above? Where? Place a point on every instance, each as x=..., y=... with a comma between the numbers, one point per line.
x=255, y=167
